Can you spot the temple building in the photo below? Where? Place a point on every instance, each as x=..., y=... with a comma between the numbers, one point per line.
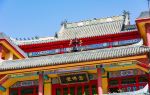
x=90, y=57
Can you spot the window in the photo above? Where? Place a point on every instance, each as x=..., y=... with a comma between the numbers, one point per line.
x=128, y=81
x=65, y=91
x=58, y=91
x=14, y=92
x=114, y=90
x=94, y=90
x=87, y=90
x=25, y=91
x=143, y=79
x=72, y=91
x=113, y=82
x=79, y=90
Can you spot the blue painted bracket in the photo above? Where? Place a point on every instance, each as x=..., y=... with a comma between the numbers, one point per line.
x=2, y=88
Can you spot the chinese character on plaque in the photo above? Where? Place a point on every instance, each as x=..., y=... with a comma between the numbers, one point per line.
x=74, y=78
x=81, y=78
x=68, y=79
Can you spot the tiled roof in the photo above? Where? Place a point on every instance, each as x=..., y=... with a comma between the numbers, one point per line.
x=87, y=28
x=34, y=41
x=3, y=36
x=93, y=28
x=99, y=54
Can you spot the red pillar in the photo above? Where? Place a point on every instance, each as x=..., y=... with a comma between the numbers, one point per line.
x=1, y=48
x=41, y=89
x=83, y=89
x=147, y=27
x=99, y=81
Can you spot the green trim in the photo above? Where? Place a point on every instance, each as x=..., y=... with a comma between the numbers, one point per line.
x=104, y=76
x=114, y=66
x=47, y=82
x=23, y=75
x=99, y=66
x=2, y=88
x=46, y=77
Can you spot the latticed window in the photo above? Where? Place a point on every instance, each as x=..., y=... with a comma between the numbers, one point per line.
x=128, y=81
x=143, y=79
x=113, y=82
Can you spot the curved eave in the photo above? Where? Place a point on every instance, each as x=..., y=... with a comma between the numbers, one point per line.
x=79, y=64
x=12, y=49
x=141, y=27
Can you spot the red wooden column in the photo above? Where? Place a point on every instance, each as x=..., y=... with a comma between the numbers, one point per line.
x=147, y=27
x=83, y=92
x=41, y=84
x=99, y=81
x=1, y=48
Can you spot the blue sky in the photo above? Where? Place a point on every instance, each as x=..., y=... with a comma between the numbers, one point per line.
x=29, y=18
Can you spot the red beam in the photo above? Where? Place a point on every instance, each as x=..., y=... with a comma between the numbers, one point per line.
x=86, y=41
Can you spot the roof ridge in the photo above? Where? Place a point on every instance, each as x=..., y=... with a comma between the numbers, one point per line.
x=93, y=21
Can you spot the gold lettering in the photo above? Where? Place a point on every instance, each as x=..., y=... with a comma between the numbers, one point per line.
x=68, y=79
x=74, y=78
x=81, y=78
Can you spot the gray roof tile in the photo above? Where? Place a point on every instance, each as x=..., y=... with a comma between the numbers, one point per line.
x=92, y=30
x=99, y=54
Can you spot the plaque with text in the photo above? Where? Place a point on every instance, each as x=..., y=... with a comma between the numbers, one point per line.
x=74, y=78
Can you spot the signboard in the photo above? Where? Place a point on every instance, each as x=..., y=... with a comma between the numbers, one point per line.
x=44, y=52
x=125, y=73
x=126, y=42
x=74, y=78
x=25, y=83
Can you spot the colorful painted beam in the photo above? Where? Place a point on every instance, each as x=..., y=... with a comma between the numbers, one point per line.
x=69, y=65
x=3, y=89
x=23, y=75
x=4, y=79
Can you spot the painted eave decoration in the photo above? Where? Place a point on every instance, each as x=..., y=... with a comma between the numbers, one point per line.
x=9, y=44
x=141, y=21
x=75, y=57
